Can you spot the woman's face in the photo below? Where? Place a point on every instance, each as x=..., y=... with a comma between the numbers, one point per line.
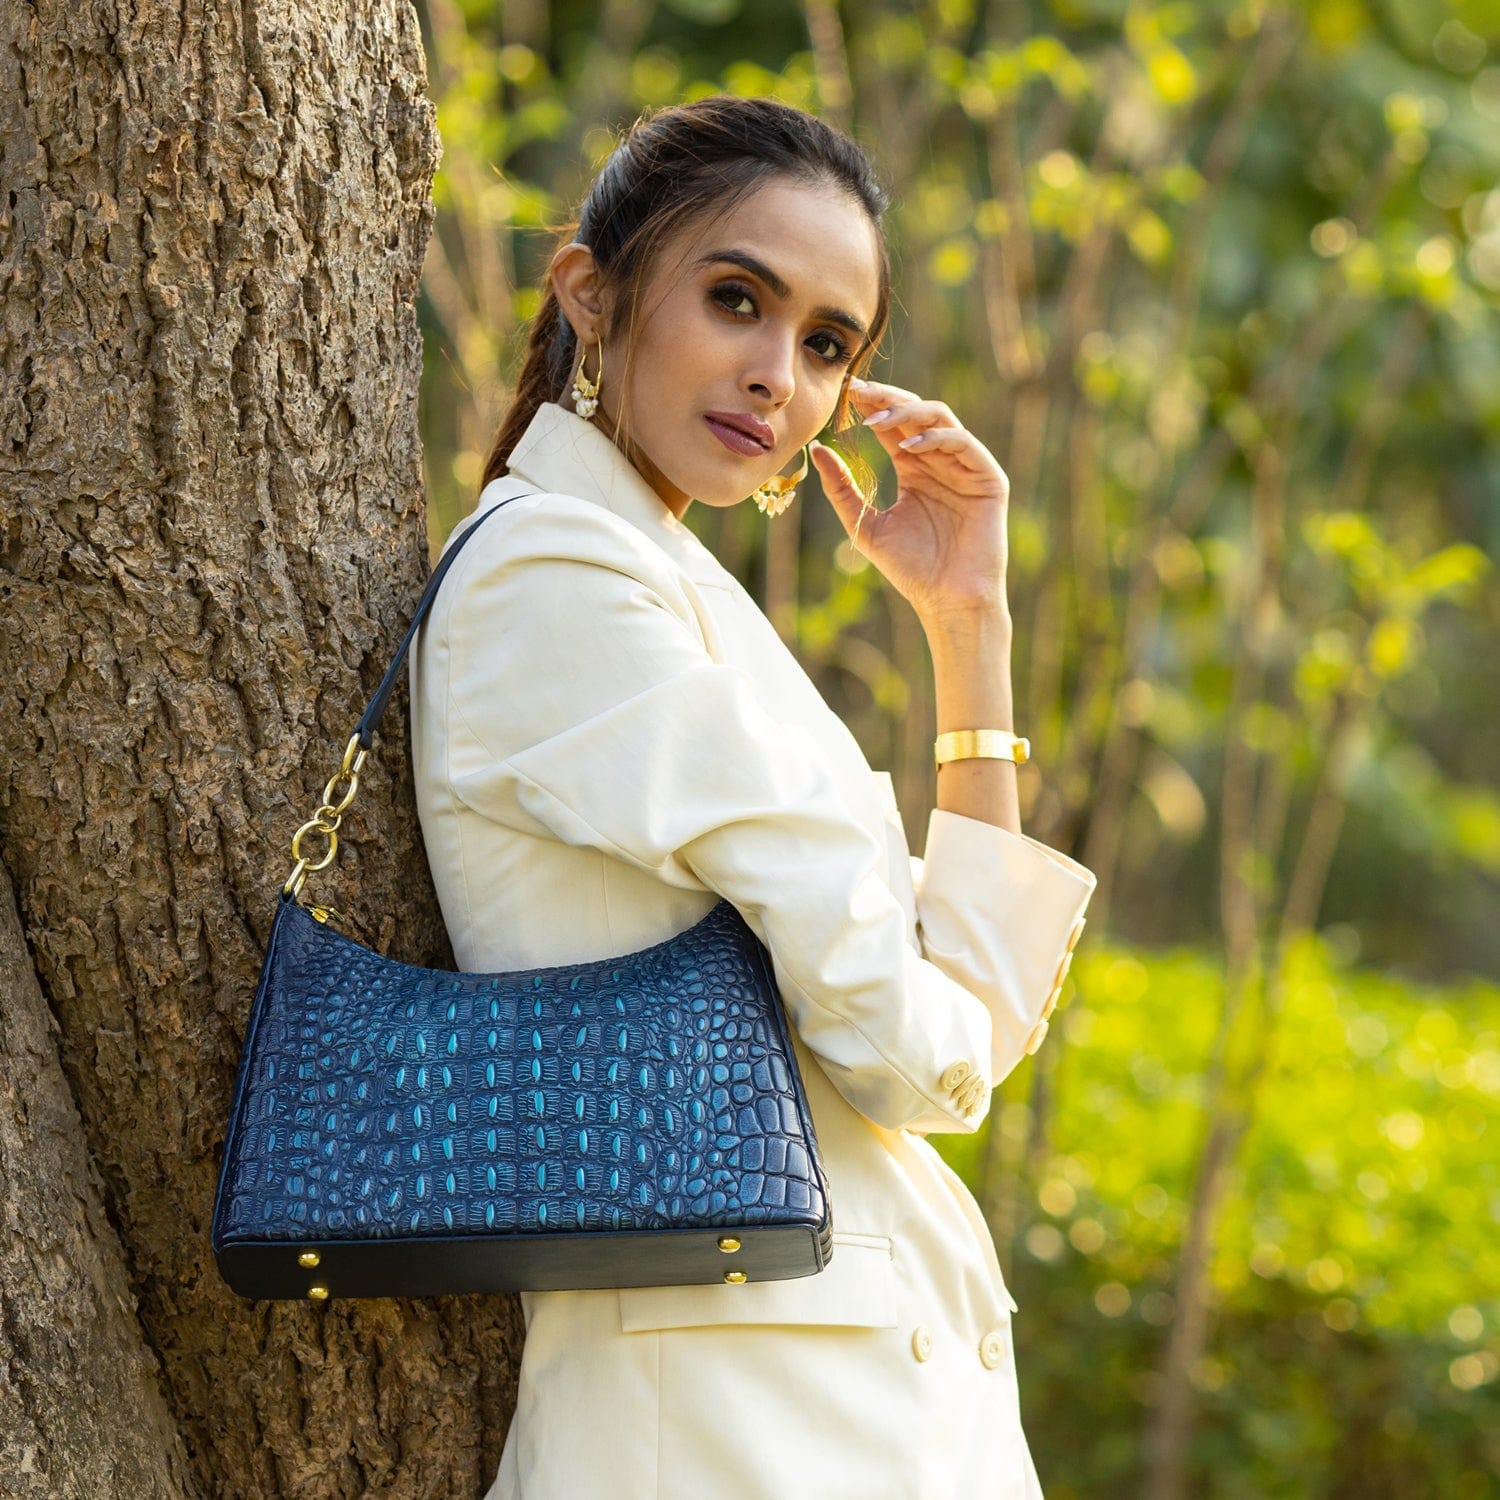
x=755, y=315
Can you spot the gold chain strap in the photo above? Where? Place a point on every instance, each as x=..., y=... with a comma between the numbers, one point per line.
x=326, y=819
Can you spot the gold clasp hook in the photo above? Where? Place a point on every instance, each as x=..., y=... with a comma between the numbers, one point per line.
x=326, y=819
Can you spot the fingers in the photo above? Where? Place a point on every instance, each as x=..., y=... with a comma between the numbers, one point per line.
x=895, y=414
x=870, y=394
x=913, y=415
x=906, y=424
x=956, y=442
x=848, y=501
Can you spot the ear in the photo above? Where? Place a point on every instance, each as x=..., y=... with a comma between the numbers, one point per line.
x=576, y=280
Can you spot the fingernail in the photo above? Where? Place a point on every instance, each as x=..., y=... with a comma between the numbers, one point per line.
x=913, y=440
x=855, y=380
x=877, y=417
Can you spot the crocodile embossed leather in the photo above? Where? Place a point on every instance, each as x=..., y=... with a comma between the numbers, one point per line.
x=397, y=1131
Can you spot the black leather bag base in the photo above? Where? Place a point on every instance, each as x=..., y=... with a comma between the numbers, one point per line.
x=398, y=1131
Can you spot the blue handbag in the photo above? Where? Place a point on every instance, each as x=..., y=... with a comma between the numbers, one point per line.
x=397, y=1131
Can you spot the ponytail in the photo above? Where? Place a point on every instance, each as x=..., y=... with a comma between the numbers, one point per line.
x=549, y=358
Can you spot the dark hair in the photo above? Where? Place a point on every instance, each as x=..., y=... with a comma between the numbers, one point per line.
x=676, y=166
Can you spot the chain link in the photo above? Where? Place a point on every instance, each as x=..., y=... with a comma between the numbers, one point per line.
x=327, y=818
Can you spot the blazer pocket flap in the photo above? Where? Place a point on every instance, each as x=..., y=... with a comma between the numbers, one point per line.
x=857, y=1288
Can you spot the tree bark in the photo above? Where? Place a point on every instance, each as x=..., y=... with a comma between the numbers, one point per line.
x=81, y=1408
x=212, y=223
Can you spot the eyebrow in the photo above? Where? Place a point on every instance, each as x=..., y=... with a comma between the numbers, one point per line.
x=777, y=285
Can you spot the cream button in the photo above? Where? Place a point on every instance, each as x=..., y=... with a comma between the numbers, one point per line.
x=992, y=1349
x=1037, y=1036
x=955, y=1075
x=1057, y=984
x=921, y=1345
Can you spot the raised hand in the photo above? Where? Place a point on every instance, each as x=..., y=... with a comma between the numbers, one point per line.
x=942, y=543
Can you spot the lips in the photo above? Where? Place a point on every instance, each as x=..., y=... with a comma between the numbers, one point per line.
x=734, y=440
x=741, y=421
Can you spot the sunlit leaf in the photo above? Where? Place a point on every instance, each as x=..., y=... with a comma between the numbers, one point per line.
x=655, y=75
x=1149, y=237
x=1452, y=571
x=1392, y=645
x=952, y=262
x=1172, y=75
x=1473, y=815
x=1336, y=25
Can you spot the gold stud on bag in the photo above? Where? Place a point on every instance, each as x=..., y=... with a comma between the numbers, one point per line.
x=397, y=1131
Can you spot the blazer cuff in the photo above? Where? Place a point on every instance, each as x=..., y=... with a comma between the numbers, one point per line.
x=1001, y=912
x=968, y=843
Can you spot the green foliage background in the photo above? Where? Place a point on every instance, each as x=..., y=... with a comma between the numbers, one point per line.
x=1358, y=1270
x=1218, y=283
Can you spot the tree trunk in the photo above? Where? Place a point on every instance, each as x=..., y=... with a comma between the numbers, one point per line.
x=86, y=1417
x=212, y=222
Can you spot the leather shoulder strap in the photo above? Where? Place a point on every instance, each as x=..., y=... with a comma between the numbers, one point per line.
x=372, y=715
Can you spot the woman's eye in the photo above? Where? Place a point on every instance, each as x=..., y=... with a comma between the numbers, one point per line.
x=839, y=350
x=836, y=351
x=729, y=296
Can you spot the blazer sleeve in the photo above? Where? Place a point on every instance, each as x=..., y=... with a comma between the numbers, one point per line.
x=1000, y=913
x=586, y=706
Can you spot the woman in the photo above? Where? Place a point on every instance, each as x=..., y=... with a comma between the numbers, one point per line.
x=608, y=736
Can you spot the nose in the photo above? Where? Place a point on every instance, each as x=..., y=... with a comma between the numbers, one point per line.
x=772, y=376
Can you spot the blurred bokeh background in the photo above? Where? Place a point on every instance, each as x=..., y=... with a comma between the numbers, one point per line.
x=1218, y=284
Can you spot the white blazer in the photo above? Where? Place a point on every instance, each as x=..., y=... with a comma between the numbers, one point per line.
x=608, y=735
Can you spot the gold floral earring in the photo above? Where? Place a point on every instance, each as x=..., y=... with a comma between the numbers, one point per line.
x=586, y=391
x=780, y=490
